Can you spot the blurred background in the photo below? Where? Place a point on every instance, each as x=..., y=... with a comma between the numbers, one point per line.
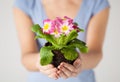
x=11, y=69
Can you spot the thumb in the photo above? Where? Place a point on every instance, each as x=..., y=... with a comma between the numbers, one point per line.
x=77, y=63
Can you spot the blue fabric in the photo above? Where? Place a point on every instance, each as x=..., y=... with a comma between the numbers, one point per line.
x=88, y=8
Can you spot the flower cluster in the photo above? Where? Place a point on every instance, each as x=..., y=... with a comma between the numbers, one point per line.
x=59, y=26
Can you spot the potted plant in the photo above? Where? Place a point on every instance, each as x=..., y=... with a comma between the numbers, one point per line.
x=61, y=36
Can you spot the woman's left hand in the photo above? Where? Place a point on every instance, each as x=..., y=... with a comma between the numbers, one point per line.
x=67, y=70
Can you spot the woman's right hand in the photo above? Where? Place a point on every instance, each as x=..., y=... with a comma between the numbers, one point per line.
x=48, y=70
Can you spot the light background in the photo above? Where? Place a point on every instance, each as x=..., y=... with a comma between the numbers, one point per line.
x=11, y=69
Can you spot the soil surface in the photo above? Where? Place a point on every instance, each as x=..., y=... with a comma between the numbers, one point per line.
x=58, y=57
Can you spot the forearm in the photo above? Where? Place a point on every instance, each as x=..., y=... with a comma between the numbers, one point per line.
x=90, y=60
x=30, y=60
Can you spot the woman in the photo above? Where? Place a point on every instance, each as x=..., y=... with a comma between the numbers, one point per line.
x=92, y=16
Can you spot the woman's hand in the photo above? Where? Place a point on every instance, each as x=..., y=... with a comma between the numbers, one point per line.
x=48, y=70
x=67, y=70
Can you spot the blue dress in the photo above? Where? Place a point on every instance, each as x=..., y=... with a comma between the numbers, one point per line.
x=35, y=10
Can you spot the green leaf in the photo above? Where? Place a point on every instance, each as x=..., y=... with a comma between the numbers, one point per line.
x=50, y=38
x=36, y=28
x=61, y=39
x=46, y=55
x=81, y=30
x=79, y=44
x=36, y=37
x=70, y=53
x=72, y=35
x=84, y=49
x=56, y=42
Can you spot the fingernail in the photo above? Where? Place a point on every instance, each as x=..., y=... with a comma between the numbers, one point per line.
x=62, y=63
x=58, y=67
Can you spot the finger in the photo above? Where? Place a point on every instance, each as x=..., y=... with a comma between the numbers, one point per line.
x=53, y=75
x=74, y=74
x=49, y=71
x=68, y=66
x=77, y=63
x=46, y=67
x=66, y=71
x=61, y=74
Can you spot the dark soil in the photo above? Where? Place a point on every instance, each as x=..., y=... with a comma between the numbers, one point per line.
x=58, y=57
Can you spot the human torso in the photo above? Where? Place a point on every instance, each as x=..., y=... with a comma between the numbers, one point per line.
x=60, y=8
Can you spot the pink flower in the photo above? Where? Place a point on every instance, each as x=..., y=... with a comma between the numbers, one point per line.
x=67, y=25
x=47, y=25
x=59, y=26
x=55, y=30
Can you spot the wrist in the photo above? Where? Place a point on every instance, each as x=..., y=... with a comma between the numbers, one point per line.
x=38, y=62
